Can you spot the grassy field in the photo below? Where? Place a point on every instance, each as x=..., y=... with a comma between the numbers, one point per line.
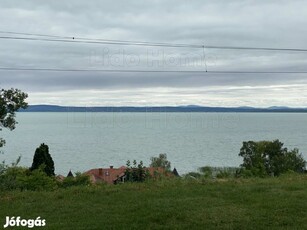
x=272, y=203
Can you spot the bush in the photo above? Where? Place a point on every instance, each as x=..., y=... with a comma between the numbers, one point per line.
x=79, y=179
x=224, y=174
x=206, y=171
x=8, y=179
x=4, y=167
x=195, y=175
x=23, y=179
x=36, y=180
x=266, y=158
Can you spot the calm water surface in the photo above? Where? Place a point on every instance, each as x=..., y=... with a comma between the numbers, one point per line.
x=81, y=141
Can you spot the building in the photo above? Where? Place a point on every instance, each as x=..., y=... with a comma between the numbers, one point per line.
x=113, y=175
x=109, y=175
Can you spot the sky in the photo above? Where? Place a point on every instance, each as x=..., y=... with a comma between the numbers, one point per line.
x=276, y=24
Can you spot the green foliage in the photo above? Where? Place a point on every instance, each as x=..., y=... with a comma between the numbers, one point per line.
x=136, y=172
x=4, y=167
x=23, y=179
x=13, y=177
x=245, y=173
x=10, y=101
x=19, y=178
x=8, y=179
x=79, y=180
x=36, y=180
x=223, y=174
x=265, y=158
x=161, y=161
x=43, y=158
x=195, y=175
x=206, y=171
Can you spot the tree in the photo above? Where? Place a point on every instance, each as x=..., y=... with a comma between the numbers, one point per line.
x=10, y=101
x=136, y=172
x=42, y=158
x=161, y=161
x=270, y=158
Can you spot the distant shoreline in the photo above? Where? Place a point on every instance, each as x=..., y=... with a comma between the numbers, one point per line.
x=56, y=108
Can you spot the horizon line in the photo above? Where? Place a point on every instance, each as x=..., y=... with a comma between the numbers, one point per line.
x=188, y=105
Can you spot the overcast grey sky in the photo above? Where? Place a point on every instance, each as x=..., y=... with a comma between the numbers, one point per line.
x=280, y=24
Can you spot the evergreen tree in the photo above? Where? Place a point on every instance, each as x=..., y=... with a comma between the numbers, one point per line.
x=42, y=158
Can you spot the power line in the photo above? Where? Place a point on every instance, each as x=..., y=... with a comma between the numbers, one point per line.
x=67, y=39
x=31, y=34
x=106, y=42
x=148, y=71
x=256, y=48
x=103, y=40
x=258, y=72
x=57, y=38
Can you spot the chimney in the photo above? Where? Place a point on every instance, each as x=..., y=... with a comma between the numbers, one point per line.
x=111, y=166
x=100, y=171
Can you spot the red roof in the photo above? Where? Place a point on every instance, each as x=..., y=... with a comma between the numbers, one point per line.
x=110, y=175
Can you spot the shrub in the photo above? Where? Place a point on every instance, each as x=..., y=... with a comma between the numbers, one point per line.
x=193, y=175
x=206, y=171
x=36, y=180
x=24, y=179
x=8, y=175
x=223, y=174
x=4, y=167
x=8, y=179
x=79, y=179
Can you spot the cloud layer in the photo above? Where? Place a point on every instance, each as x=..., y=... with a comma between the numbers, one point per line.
x=224, y=23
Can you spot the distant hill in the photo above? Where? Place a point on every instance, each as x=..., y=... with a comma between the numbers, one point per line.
x=189, y=108
x=279, y=107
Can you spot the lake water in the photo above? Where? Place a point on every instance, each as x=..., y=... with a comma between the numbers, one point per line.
x=81, y=141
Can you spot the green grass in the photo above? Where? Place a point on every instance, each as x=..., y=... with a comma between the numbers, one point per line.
x=271, y=203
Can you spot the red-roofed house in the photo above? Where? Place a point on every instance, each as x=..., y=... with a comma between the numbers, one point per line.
x=114, y=175
x=110, y=175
